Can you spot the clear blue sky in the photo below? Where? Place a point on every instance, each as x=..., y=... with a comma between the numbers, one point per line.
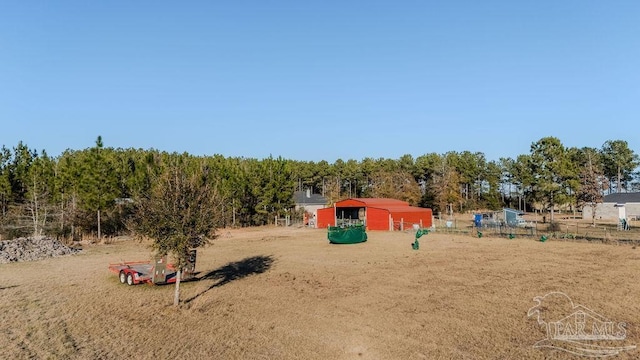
x=314, y=80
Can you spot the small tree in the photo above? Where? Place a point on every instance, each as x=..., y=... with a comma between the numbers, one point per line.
x=180, y=213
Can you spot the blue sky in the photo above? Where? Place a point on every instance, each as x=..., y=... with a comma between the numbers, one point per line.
x=319, y=80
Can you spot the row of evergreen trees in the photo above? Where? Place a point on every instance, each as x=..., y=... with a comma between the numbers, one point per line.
x=92, y=191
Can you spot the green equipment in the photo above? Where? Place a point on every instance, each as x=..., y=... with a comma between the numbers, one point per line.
x=347, y=235
x=416, y=244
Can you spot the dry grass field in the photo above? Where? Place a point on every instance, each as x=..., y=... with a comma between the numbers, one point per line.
x=286, y=293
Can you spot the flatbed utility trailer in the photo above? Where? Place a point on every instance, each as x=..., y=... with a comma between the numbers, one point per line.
x=156, y=272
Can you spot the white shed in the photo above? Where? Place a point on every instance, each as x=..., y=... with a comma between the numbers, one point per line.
x=615, y=207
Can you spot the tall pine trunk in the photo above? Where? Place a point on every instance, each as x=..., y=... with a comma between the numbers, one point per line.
x=176, y=295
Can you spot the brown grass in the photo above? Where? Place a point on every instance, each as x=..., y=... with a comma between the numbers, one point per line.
x=286, y=293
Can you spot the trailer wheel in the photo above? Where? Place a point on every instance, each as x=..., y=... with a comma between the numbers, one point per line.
x=129, y=279
x=123, y=277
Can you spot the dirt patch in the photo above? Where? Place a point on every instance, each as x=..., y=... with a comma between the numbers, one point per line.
x=32, y=249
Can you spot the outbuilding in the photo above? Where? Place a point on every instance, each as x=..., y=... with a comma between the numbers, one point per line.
x=309, y=203
x=375, y=214
x=615, y=207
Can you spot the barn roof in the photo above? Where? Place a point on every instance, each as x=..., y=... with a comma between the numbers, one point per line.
x=391, y=205
x=374, y=202
x=623, y=198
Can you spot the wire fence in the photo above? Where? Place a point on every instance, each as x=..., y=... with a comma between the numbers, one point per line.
x=561, y=230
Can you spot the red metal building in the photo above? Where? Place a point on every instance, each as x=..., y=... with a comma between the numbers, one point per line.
x=375, y=214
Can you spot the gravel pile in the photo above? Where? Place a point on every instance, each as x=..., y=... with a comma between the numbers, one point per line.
x=31, y=249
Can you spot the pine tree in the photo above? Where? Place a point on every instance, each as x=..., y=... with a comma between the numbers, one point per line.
x=274, y=190
x=98, y=184
x=619, y=163
x=549, y=163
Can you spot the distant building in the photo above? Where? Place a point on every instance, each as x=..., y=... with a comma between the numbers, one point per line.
x=615, y=207
x=309, y=203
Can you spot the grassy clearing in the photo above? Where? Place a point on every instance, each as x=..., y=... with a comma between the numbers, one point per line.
x=286, y=293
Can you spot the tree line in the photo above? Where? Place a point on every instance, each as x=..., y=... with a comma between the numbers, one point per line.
x=94, y=191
